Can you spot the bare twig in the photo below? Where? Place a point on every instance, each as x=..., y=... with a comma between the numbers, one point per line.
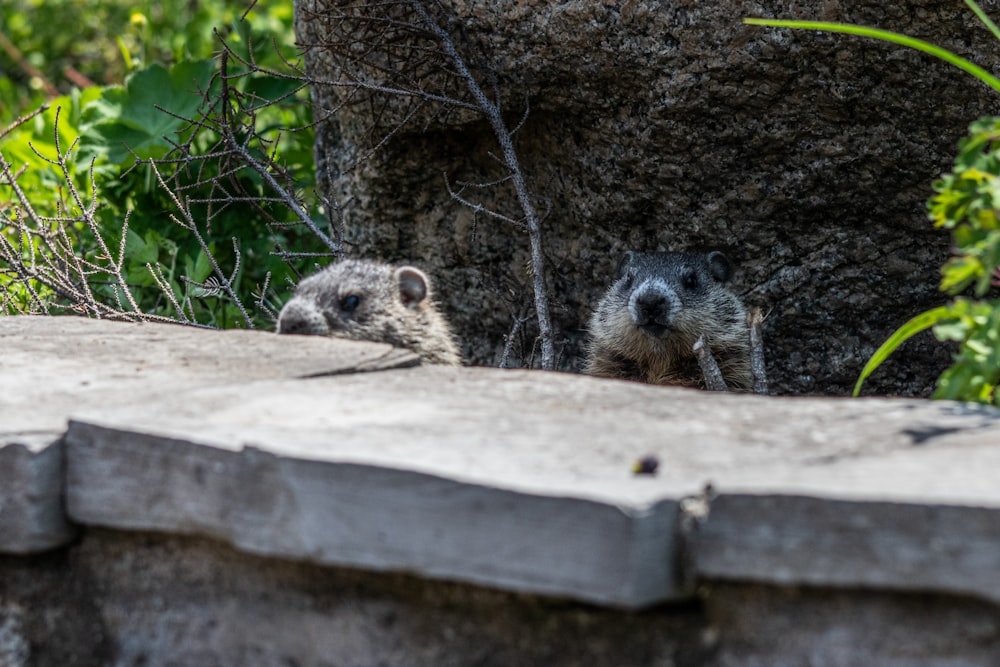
x=755, y=322
x=509, y=342
x=492, y=112
x=709, y=367
x=189, y=223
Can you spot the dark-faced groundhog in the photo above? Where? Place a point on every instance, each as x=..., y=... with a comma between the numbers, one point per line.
x=646, y=325
x=368, y=300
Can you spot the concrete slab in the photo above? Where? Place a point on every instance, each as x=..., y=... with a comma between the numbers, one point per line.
x=802, y=540
x=31, y=494
x=51, y=366
x=911, y=502
x=516, y=479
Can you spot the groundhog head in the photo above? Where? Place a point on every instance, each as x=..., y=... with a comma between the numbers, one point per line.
x=648, y=321
x=677, y=293
x=368, y=300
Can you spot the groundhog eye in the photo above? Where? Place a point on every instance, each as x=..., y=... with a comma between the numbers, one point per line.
x=690, y=280
x=350, y=303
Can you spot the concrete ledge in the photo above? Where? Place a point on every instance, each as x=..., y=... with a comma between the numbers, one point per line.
x=32, y=517
x=521, y=480
x=515, y=480
x=372, y=517
x=876, y=545
x=52, y=366
x=322, y=471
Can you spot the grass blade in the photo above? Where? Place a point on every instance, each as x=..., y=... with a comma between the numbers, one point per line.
x=984, y=18
x=893, y=37
x=919, y=323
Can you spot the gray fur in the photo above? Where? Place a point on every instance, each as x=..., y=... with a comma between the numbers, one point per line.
x=368, y=300
x=646, y=325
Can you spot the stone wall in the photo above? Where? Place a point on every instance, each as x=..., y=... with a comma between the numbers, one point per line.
x=118, y=599
x=808, y=158
x=180, y=496
x=133, y=599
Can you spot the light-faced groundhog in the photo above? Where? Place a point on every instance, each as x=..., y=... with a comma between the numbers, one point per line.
x=368, y=300
x=646, y=325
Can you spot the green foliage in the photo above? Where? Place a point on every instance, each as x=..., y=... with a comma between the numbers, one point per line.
x=966, y=201
x=195, y=221
x=137, y=120
x=921, y=322
x=68, y=41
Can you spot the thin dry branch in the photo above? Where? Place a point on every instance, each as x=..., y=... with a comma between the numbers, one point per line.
x=189, y=223
x=491, y=110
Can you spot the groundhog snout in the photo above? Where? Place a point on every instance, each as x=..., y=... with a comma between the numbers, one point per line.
x=652, y=306
x=296, y=318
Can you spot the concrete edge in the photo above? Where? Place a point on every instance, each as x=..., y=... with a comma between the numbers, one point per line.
x=801, y=540
x=32, y=516
x=375, y=518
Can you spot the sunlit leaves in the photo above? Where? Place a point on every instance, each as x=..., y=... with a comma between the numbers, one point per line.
x=967, y=202
x=144, y=117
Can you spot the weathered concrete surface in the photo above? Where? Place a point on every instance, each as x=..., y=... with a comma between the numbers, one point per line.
x=143, y=600
x=50, y=367
x=807, y=157
x=823, y=525
x=876, y=545
x=306, y=473
x=470, y=473
x=924, y=516
x=32, y=517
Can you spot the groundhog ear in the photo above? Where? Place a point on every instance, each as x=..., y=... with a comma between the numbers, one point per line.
x=719, y=266
x=625, y=261
x=412, y=285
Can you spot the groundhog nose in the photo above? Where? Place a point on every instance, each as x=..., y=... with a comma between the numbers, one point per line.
x=650, y=308
x=296, y=318
x=291, y=324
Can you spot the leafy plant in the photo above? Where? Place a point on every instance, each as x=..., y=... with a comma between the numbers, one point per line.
x=175, y=195
x=967, y=202
x=137, y=120
x=48, y=48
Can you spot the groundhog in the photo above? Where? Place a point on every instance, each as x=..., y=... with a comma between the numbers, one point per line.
x=646, y=325
x=368, y=300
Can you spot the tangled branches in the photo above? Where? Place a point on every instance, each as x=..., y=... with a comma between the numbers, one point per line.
x=195, y=212
x=39, y=252
x=401, y=60
x=167, y=234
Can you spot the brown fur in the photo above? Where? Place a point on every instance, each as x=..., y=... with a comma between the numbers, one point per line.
x=368, y=300
x=646, y=324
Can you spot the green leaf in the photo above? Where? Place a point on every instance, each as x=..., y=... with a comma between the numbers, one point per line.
x=919, y=323
x=199, y=269
x=959, y=272
x=955, y=330
x=148, y=113
x=141, y=250
x=271, y=88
